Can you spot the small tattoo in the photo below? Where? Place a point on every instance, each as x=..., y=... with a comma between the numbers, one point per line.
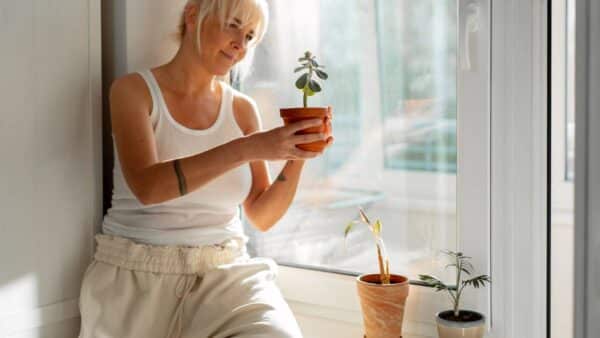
x=180, y=178
x=281, y=177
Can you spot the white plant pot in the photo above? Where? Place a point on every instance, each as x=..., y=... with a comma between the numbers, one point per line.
x=463, y=329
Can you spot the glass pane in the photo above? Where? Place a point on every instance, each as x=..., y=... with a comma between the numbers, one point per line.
x=392, y=86
x=562, y=217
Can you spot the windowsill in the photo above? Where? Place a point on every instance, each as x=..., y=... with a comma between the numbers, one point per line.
x=329, y=300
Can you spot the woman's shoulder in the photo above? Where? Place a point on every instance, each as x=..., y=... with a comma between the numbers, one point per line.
x=246, y=112
x=131, y=87
x=131, y=82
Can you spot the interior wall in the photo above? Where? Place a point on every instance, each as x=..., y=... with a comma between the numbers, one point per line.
x=51, y=164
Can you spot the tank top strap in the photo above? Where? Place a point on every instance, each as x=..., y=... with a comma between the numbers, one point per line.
x=154, y=93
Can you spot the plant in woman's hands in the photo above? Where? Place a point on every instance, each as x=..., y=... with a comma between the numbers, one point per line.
x=306, y=83
x=382, y=257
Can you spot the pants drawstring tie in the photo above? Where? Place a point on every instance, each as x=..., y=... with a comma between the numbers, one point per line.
x=182, y=290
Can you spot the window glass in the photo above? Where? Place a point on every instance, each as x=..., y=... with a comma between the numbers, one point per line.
x=392, y=86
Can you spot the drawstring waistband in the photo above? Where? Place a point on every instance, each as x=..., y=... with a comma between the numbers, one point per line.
x=130, y=255
x=189, y=262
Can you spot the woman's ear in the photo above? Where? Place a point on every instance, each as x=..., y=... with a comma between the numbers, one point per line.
x=190, y=14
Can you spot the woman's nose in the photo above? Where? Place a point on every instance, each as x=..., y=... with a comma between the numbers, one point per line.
x=239, y=42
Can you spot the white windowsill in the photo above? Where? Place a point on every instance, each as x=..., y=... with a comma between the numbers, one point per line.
x=331, y=298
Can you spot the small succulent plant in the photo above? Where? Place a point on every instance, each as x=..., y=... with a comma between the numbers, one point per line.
x=382, y=257
x=461, y=263
x=306, y=82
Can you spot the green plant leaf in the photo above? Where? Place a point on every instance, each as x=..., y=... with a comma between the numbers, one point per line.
x=321, y=74
x=433, y=282
x=299, y=68
x=314, y=63
x=314, y=86
x=348, y=228
x=478, y=281
x=450, y=265
x=301, y=82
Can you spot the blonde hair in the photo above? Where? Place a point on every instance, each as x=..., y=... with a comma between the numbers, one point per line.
x=249, y=12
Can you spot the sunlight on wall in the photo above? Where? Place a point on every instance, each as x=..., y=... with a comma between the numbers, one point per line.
x=19, y=298
x=19, y=294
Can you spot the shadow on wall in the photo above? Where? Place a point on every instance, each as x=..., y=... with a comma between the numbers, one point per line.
x=136, y=35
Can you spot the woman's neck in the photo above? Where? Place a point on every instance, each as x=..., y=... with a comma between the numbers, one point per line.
x=188, y=76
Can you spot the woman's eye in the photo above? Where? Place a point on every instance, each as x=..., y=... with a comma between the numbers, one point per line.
x=249, y=37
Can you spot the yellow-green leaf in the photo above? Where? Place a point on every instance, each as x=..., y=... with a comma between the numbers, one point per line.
x=377, y=228
x=308, y=91
x=348, y=228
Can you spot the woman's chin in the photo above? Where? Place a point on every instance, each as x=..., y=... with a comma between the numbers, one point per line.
x=222, y=71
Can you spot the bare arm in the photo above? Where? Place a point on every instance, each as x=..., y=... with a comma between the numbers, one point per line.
x=268, y=202
x=154, y=182
x=272, y=204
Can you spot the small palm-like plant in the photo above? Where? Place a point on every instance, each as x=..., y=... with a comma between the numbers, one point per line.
x=306, y=82
x=382, y=257
x=462, y=265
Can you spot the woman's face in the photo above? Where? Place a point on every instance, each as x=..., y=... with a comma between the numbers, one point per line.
x=222, y=48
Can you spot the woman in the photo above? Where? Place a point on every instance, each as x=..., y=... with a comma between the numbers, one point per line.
x=172, y=261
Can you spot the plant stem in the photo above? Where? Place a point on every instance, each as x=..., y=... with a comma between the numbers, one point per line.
x=304, y=100
x=381, y=267
x=459, y=267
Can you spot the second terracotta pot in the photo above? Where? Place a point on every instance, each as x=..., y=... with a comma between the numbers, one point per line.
x=291, y=115
x=382, y=305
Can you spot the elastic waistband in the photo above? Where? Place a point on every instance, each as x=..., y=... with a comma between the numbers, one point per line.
x=128, y=254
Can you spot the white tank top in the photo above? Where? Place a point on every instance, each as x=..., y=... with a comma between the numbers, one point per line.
x=209, y=215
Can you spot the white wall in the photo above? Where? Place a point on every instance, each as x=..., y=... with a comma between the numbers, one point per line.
x=50, y=155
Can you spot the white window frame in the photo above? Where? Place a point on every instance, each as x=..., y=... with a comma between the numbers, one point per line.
x=507, y=203
x=562, y=101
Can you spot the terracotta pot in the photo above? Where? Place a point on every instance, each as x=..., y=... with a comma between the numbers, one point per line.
x=454, y=329
x=291, y=115
x=382, y=305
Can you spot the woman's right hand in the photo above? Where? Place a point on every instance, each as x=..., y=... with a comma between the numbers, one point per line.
x=280, y=143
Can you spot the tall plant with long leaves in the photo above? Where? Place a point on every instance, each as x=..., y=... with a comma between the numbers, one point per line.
x=382, y=257
x=306, y=82
x=462, y=265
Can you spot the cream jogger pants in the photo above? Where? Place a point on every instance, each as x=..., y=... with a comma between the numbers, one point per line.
x=133, y=290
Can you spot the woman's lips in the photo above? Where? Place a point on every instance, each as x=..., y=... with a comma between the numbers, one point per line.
x=227, y=56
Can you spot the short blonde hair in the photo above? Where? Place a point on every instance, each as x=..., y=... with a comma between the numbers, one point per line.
x=249, y=12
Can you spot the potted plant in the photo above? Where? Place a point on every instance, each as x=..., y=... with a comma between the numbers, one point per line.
x=382, y=295
x=309, y=86
x=456, y=322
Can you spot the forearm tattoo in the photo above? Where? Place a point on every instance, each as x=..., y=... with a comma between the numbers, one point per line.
x=180, y=178
x=281, y=177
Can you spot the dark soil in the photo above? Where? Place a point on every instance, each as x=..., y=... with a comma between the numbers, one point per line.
x=463, y=316
x=375, y=279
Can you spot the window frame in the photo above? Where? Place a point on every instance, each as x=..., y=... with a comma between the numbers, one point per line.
x=562, y=101
x=332, y=299
x=513, y=208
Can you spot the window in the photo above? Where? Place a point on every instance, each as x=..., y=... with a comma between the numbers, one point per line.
x=392, y=86
x=563, y=153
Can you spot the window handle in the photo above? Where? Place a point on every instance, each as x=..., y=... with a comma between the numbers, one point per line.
x=471, y=25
